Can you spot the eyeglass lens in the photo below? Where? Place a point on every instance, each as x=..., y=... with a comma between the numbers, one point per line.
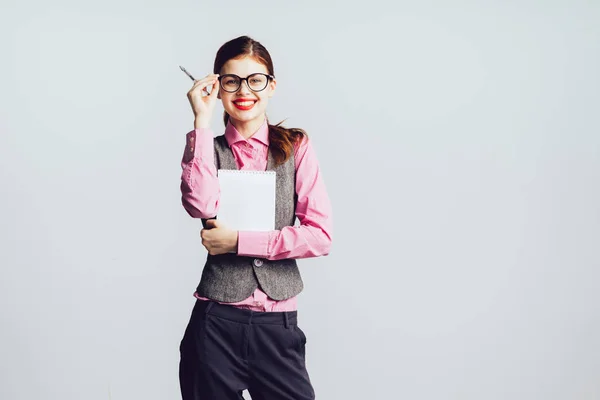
x=256, y=82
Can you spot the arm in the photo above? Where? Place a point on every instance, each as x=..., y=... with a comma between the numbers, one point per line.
x=313, y=209
x=199, y=183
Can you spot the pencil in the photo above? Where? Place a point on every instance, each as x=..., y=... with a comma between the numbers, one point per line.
x=187, y=73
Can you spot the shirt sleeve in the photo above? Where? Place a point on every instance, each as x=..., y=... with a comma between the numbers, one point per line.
x=200, y=190
x=312, y=238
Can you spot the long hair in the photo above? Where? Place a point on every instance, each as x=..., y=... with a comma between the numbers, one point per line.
x=281, y=139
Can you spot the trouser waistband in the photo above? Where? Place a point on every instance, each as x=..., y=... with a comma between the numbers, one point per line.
x=245, y=316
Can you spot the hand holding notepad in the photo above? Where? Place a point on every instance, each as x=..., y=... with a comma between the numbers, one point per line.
x=247, y=200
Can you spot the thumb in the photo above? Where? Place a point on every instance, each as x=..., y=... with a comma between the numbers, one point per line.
x=214, y=93
x=213, y=223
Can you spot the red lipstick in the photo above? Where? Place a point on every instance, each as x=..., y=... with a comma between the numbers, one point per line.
x=245, y=106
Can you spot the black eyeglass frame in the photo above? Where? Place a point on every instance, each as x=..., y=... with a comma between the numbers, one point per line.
x=221, y=77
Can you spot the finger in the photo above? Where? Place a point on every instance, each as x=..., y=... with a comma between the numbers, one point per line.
x=199, y=86
x=215, y=87
x=214, y=223
x=203, y=82
x=206, y=235
x=207, y=78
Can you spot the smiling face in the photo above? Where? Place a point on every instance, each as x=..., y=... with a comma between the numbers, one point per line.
x=245, y=106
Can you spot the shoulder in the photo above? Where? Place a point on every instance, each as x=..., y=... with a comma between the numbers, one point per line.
x=301, y=146
x=304, y=154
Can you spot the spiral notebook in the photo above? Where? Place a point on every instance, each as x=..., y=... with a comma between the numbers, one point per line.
x=247, y=201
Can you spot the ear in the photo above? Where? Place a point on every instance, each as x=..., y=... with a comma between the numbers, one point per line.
x=272, y=85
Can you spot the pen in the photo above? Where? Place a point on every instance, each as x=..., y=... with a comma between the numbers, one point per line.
x=187, y=73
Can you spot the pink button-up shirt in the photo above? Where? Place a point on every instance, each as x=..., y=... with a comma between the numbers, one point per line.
x=200, y=197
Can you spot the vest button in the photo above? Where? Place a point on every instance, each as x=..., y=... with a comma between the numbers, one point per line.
x=257, y=262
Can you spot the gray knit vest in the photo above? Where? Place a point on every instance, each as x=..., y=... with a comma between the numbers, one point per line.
x=231, y=278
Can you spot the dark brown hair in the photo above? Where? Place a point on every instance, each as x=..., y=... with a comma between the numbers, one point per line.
x=281, y=139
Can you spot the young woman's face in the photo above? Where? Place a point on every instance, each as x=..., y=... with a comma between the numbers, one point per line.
x=245, y=105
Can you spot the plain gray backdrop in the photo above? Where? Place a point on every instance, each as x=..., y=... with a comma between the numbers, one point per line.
x=459, y=142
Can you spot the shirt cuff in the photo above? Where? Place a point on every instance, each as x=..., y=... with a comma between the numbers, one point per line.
x=200, y=144
x=253, y=244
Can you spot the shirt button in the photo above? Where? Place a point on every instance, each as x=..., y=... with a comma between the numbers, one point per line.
x=258, y=262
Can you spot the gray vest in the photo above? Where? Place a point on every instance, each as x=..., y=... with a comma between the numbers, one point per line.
x=231, y=278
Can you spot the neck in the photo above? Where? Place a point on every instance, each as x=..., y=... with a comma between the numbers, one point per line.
x=248, y=128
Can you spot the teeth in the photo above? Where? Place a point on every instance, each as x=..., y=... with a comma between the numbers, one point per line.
x=244, y=103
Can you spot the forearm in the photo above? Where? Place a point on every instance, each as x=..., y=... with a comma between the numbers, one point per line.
x=313, y=237
x=302, y=241
x=199, y=183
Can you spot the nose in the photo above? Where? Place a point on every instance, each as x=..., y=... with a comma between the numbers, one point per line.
x=244, y=88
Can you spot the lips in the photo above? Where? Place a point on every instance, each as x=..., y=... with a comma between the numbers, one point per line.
x=244, y=104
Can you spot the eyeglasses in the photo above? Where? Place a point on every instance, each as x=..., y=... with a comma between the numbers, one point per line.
x=256, y=82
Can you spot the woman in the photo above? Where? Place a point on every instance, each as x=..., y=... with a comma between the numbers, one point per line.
x=243, y=331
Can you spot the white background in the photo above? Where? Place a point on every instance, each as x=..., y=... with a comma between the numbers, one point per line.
x=460, y=145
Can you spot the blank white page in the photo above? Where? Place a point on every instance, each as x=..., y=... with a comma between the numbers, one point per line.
x=247, y=201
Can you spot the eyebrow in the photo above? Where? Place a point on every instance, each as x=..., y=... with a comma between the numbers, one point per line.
x=265, y=73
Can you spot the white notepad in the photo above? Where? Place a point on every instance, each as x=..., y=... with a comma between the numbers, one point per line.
x=247, y=201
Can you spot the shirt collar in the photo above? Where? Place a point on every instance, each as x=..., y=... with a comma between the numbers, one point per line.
x=233, y=136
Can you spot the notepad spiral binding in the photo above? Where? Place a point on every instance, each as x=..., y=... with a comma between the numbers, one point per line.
x=246, y=171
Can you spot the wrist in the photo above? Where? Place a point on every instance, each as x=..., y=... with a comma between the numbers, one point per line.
x=234, y=241
x=201, y=123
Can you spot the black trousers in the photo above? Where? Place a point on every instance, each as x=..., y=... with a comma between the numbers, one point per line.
x=226, y=350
